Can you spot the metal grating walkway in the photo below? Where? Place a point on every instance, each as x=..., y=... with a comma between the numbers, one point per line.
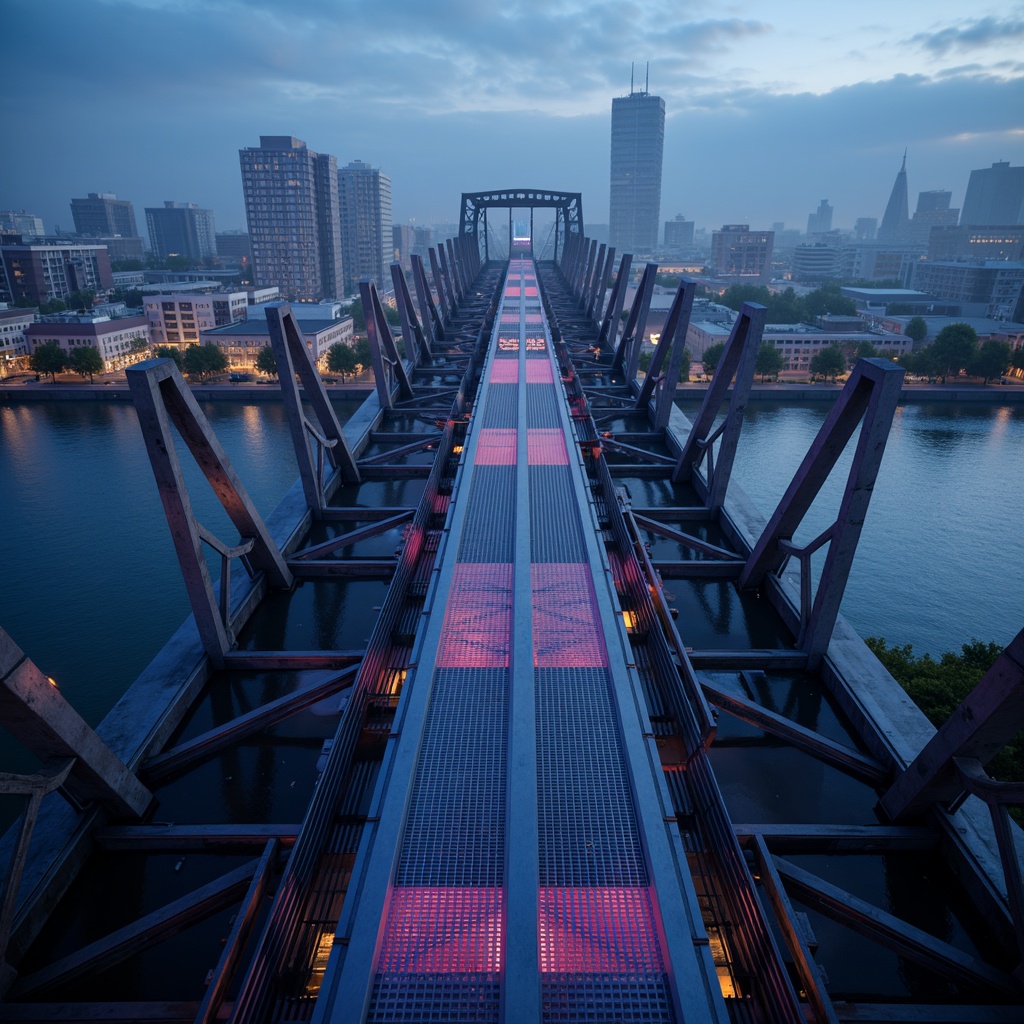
x=522, y=861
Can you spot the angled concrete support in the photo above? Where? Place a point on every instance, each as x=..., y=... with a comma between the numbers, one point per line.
x=388, y=368
x=293, y=359
x=672, y=341
x=439, y=286
x=869, y=399
x=428, y=311
x=35, y=713
x=162, y=398
x=989, y=717
x=609, y=336
x=627, y=354
x=738, y=359
x=417, y=347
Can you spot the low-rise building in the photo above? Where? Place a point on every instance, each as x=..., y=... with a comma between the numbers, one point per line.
x=988, y=288
x=13, y=345
x=797, y=343
x=178, y=318
x=115, y=339
x=742, y=256
x=241, y=342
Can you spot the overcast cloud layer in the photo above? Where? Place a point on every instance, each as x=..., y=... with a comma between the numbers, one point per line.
x=767, y=112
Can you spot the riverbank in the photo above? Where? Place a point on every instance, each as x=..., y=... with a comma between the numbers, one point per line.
x=17, y=391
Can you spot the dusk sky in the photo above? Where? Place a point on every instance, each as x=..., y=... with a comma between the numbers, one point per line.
x=770, y=107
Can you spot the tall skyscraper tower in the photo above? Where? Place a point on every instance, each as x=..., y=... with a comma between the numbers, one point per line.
x=181, y=229
x=102, y=214
x=995, y=196
x=820, y=222
x=291, y=204
x=364, y=198
x=638, y=143
x=896, y=219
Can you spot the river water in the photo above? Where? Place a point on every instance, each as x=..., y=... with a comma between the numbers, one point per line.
x=91, y=588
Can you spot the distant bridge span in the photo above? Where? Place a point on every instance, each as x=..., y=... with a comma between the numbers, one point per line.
x=568, y=208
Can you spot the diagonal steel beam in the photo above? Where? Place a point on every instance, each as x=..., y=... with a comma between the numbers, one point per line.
x=627, y=354
x=869, y=399
x=676, y=324
x=417, y=347
x=428, y=311
x=161, y=399
x=737, y=360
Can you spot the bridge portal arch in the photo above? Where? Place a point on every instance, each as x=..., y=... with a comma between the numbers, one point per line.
x=568, y=207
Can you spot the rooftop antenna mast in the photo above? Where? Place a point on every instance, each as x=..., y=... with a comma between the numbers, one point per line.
x=631, y=78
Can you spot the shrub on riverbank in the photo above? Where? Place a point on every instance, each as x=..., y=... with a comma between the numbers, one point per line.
x=938, y=688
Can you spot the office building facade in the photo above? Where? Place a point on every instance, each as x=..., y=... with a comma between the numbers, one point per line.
x=181, y=229
x=102, y=214
x=291, y=205
x=364, y=199
x=742, y=256
x=638, y=144
x=178, y=318
x=995, y=196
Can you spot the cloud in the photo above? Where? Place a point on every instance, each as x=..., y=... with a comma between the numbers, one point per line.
x=975, y=34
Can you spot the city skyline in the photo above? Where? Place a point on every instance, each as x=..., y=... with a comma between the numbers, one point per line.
x=830, y=108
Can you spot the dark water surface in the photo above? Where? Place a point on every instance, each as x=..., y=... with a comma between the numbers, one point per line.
x=91, y=588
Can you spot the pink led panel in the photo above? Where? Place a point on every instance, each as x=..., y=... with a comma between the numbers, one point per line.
x=599, y=931
x=533, y=318
x=566, y=630
x=538, y=371
x=443, y=930
x=512, y=291
x=531, y=293
x=545, y=447
x=497, y=447
x=478, y=618
x=505, y=371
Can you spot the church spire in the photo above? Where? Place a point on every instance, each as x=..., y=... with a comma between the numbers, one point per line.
x=896, y=221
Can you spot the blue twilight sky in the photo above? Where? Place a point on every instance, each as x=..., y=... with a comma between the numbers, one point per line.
x=770, y=107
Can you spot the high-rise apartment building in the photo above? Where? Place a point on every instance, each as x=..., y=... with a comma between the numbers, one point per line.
x=820, y=222
x=638, y=143
x=678, y=232
x=181, y=229
x=995, y=195
x=291, y=204
x=932, y=211
x=102, y=214
x=742, y=256
x=364, y=199
x=40, y=273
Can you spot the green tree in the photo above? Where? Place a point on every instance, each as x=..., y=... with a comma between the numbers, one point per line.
x=953, y=348
x=829, y=362
x=991, y=360
x=939, y=687
x=49, y=358
x=364, y=357
x=138, y=345
x=712, y=356
x=265, y=361
x=119, y=265
x=342, y=359
x=53, y=306
x=356, y=312
x=1017, y=359
x=644, y=361
x=203, y=360
x=769, y=360
x=170, y=352
x=81, y=299
x=828, y=299
x=684, y=366
x=736, y=294
x=86, y=361
x=916, y=329
x=867, y=350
